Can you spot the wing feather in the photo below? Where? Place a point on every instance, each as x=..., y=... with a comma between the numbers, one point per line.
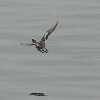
x=49, y=32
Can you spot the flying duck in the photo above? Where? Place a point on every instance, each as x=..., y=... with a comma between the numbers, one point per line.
x=41, y=44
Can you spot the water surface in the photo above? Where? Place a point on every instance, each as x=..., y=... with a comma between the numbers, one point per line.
x=71, y=68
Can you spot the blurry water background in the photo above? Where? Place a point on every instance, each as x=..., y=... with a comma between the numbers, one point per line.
x=71, y=68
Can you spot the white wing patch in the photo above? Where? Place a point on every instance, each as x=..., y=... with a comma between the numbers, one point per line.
x=38, y=45
x=46, y=35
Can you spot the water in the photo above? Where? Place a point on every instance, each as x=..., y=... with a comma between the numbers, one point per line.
x=71, y=68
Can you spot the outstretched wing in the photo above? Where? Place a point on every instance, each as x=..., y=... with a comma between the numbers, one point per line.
x=28, y=44
x=49, y=32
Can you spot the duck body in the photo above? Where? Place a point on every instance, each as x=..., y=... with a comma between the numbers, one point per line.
x=41, y=44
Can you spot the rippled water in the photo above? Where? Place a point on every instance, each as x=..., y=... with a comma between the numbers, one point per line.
x=71, y=68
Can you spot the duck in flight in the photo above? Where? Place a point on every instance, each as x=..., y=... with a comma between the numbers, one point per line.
x=41, y=44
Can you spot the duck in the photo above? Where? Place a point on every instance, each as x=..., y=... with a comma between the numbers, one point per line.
x=41, y=44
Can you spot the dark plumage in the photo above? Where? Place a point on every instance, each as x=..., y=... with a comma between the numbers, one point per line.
x=41, y=44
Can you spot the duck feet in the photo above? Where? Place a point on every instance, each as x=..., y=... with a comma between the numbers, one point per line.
x=44, y=50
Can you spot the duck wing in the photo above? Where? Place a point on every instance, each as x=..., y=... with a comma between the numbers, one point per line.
x=49, y=32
